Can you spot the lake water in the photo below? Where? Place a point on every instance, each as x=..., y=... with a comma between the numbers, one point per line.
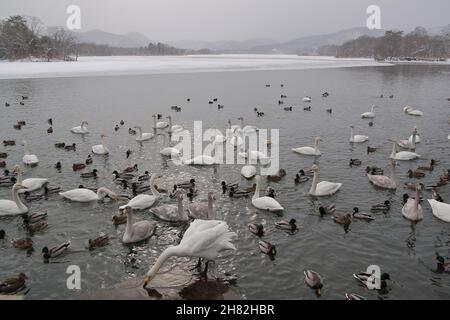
x=403, y=249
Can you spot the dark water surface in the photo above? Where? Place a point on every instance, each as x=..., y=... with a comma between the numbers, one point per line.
x=403, y=249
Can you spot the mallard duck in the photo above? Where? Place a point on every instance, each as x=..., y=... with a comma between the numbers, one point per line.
x=191, y=193
x=226, y=186
x=239, y=193
x=144, y=177
x=122, y=122
x=58, y=165
x=98, y=242
x=50, y=190
x=415, y=174
x=382, y=206
x=354, y=296
x=442, y=266
x=270, y=192
x=436, y=196
x=123, y=175
x=12, y=285
x=50, y=130
x=131, y=131
x=22, y=243
x=131, y=169
x=289, y=225
x=374, y=170
x=9, y=142
x=409, y=186
x=119, y=219
x=361, y=215
x=34, y=217
x=267, y=248
x=187, y=185
x=330, y=209
x=342, y=219
x=161, y=190
x=363, y=277
x=256, y=229
x=429, y=167
x=307, y=108
x=17, y=126
x=329, y=110
x=277, y=177
x=60, y=145
x=7, y=104
x=32, y=197
x=3, y=155
x=72, y=147
x=300, y=178
x=37, y=226
x=2, y=163
x=92, y=174
x=89, y=159
x=355, y=162
x=371, y=149
x=78, y=166
x=116, y=128
x=50, y=121
x=55, y=251
x=314, y=281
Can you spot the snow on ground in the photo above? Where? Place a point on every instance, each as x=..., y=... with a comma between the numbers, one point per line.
x=121, y=65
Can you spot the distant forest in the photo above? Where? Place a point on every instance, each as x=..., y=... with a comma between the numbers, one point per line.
x=417, y=44
x=23, y=37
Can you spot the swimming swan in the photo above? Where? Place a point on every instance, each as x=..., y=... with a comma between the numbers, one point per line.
x=323, y=188
x=310, y=151
x=82, y=129
x=264, y=203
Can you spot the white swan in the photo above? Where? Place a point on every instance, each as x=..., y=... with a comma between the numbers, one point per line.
x=8, y=207
x=323, y=188
x=409, y=143
x=264, y=203
x=87, y=195
x=30, y=184
x=384, y=182
x=159, y=124
x=412, y=112
x=440, y=210
x=174, y=128
x=310, y=151
x=29, y=159
x=100, y=148
x=357, y=138
x=370, y=114
x=203, y=239
x=203, y=210
x=412, y=210
x=218, y=139
x=402, y=155
x=448, y=137
x=307, y=99
x=247, y=129
x=202, y=160
x=138, y=231
x=144, y=201
x=143, y=136
x=255, y=156
x=236, y=139
x=81, y=129
x=172, y=213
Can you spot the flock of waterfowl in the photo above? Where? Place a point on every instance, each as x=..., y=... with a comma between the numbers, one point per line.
x=206, y=237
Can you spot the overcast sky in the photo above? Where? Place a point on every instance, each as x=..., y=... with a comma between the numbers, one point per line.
x=166, y=20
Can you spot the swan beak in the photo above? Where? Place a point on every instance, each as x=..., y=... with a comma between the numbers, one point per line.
x=147, y=281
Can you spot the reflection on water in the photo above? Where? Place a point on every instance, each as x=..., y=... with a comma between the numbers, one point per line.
x=320, y=244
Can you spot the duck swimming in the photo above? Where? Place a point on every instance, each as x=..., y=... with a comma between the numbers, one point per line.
x=314, y=281
x=256, y=229
x=289, y=225
x=361, y=215
x=385, y=206
x=55, y=251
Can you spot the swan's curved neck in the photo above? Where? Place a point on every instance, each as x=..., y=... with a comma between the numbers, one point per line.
x=256, y=195
x=413, y=142
x=83, y=124
x=316, y=144
x=170, y=122
x=102, y=192
x=242, y=122
x=128, y=228
x=416, y=200
x=211, y=212
x=152, y=186
x=314, y=182
x=16, y=199
x=166, y=254
x=181, y=212
x=373, y=107
x=394, y=150
x=19, y=176
x=392, y=173
x=352, y=135
x=140, y=131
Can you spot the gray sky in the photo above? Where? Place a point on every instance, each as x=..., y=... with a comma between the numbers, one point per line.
x=166, y=20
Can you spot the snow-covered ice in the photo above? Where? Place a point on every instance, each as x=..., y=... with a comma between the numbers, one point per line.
x=121, y=65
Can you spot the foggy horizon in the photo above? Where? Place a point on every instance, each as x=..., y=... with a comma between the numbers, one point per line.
x=203, y=20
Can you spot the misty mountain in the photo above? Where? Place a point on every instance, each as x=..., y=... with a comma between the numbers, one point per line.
x=223, y=46
x=310, y=44
x=129, y=40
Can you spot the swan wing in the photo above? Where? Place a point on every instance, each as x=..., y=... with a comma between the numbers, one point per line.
x=382, y=181
x=167, y=213
x=33, y=184
x=409, y=211
x=440, y=210
x=327, y=188
x=8, y=207
x=140, y=202
x=30, y=159
x=198, y=210
x=307, y=151
x=79, y=195
x=248, y=171
x=140, y=231
x=267, y=203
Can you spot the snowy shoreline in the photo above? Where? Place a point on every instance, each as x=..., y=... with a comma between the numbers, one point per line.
x=141, y=65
